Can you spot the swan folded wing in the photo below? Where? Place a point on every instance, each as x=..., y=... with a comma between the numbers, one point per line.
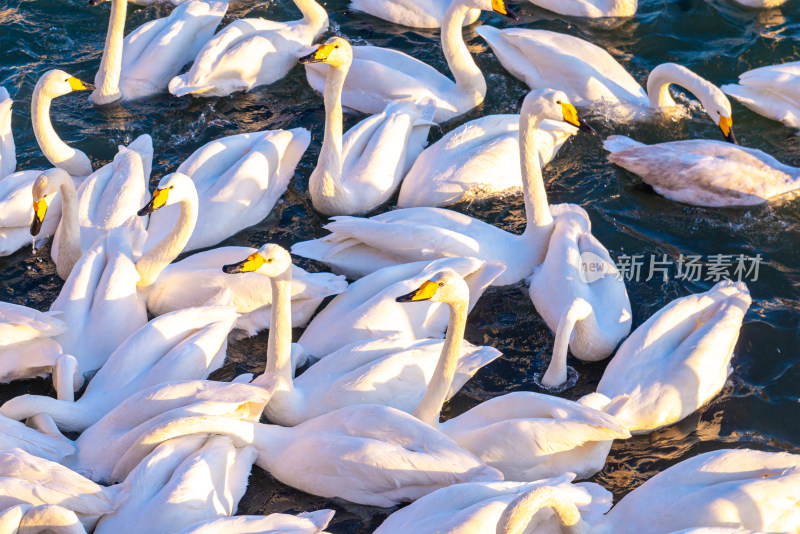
x=21, y=323
x=780, y=79
x=15, y=435
x=304, y=523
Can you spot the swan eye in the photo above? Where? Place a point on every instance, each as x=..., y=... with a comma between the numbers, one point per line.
x=558, y=102
x=269, y=260
x=441, y=284
x=337, y=46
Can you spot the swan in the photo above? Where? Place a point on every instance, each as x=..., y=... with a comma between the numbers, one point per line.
x=357, y=247
x=183, y=345
x=771, y=91
x=477, y=507
x=707, y=173
x=8, y=151
x=15, y=435
x=30, y=480
x=367, y=310
x=251, y=52
x=359, y=172
x=477, y=159
x=594, y=326
x=366, y=454
x=386, y=372
x=167, y=286
x=239, y=179
x=304, y=523
x=143, y=62
x=49, y=518
x=525, y=435
x=99, y=447
x=588, y=74
x=182, y=482
x=760, y=4
x=412, y=13
x=590, y=8
x=676, y=361
x=380, y=75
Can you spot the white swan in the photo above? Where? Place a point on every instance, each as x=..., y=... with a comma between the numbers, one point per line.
x=360, y=171
x=705, y=173
x=194, y=281
x=239, y=179
x=387, y=372
x=367, y=310
x=676, y=361
x=366, y=454
x=477, y=159
x=184, y=481
x=45, y=518
x=590, y=8
x=8, y=151
x=304, y=523
x=588, y=74
x=594, y=326
x=380, y=75
x=251, y=52
x=183, y=345
x=143, y=62
x=412, y=13
x=15, y=435
x=26, y=479
x=760, y=4
x=358, y=247
x=477, y=507
x=772, y=91
x=527, y=436
x=20, y=324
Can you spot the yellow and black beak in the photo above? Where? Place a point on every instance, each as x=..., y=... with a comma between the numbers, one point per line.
x=425, y=292
x=570, y=115
x=77, y=85
x=726, y=126
x=159, y=200
x=39, y=211
x=318, y=56
x=253, y=263
x=499, y=6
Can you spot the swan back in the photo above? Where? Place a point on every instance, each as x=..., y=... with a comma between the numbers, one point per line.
x=8, y=155
x=304, y=523
x=15, y=435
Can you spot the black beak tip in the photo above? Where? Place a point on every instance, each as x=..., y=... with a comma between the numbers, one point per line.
x=232, y=268
x=94, y=2
x=36, y=226
x=408, y=297
x=512, y=14
x=89, y=87
x=308, y=59
x=147, y=210
x=731, y=138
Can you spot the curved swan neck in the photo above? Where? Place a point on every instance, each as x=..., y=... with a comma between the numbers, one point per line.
x=279, y=342
x=108, y=75
x=54, y=149
x=68, y=416
x=313, y=13
x=466, y=73
x=326, y=182
x=537, y=209
x=556, y=373
x=430, y=406
x=666, y=74
x=520, y=511
x=162, y=254
x=69, y=229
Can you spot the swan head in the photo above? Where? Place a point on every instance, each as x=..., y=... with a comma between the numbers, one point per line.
x=44, y=189
x=498, y=6
x=553, y=105
x=172, y=189
x=336, y=52
x=270, y=260
x=446, y=286
x=55, y=83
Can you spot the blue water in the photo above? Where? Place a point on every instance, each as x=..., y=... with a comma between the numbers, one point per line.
x=716, y=38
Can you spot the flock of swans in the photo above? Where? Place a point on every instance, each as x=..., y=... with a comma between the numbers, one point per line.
x=158, y=447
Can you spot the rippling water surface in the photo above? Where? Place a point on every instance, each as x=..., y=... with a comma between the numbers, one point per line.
x=759, y=406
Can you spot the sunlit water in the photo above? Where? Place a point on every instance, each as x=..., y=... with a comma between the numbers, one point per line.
x=759, y=405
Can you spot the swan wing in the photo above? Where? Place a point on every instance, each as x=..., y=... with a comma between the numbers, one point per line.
x=771, y=91
x=304, y=523
x=15, y=435
x=8, y=154
x=21, y=323
x=412, y=13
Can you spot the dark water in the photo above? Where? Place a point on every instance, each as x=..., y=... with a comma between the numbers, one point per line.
x=758, y=407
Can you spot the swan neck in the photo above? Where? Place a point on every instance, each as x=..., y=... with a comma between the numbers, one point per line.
x=518, y=514
x=468, y=76
x=667, y=74
x=556, y=373
x=537, y=209
x=430, y=406
x=108, y=75
x=326, y=182
x=54, y=149
x=279, y=343
x=69, y=229
x=150, y=265
x=68, y=416
x=313, y=14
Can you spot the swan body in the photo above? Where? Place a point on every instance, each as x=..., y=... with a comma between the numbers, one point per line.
x=590, y=8
x=15, y=435
x=382, y=371
x=379, y=75
x=184, y=481
x=359, y=171
x=526, y=436
x=562, y=278
x=412, y=13
x=760, y=4
x=705, y=173
x=183, y=345
x=49, y=518
x=738, y=488
x=589, y=75
x=21, y=324
x=29, y=480
x=367, y=310
x=772, y=91
x=238, y=179
x=251, y=52
x=8, y=151
x=676, y=361
x=142, y=63
x=304, y=523
x=359, y=246
x=478, y=506
x=477, y=159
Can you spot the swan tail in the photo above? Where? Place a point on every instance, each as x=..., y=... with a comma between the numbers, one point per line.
x=319, y=518
x=425, y=111
x=616, y=143
x=180, y=86
x=598, y=401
